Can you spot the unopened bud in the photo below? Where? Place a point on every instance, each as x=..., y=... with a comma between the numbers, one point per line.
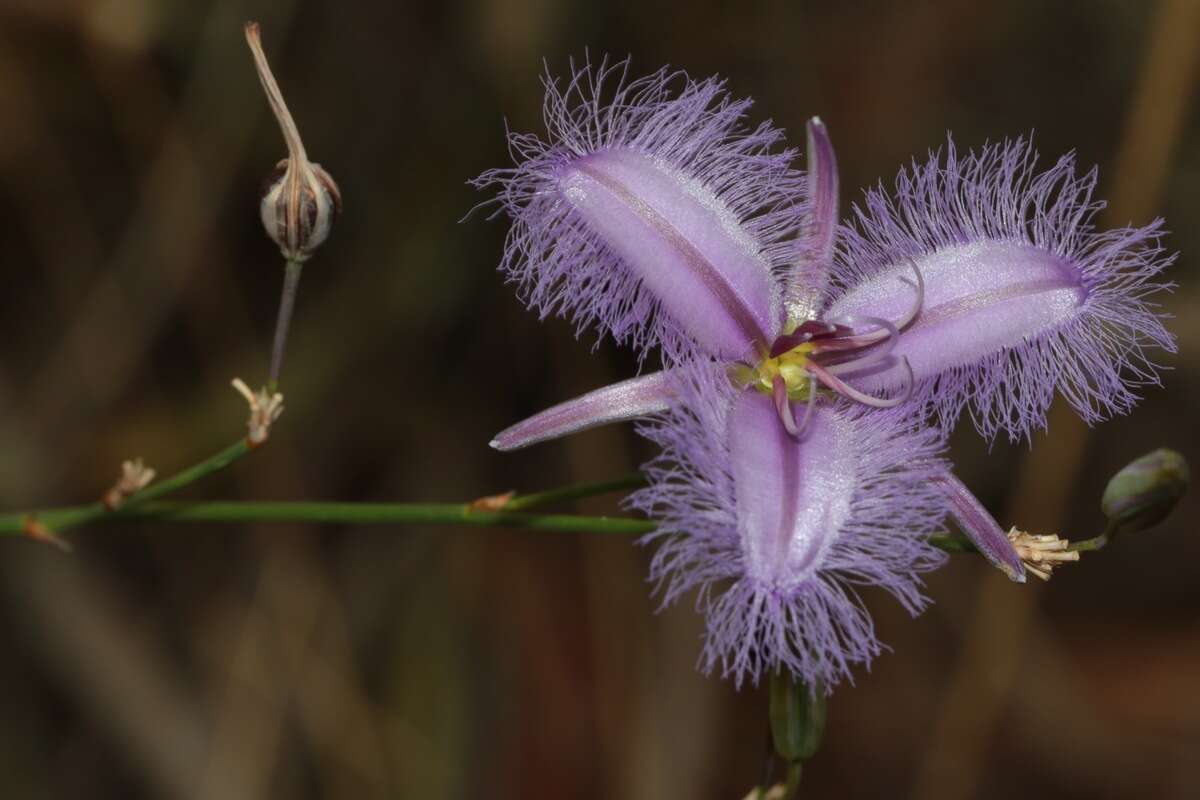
x=300, y=200
x=1143, y=493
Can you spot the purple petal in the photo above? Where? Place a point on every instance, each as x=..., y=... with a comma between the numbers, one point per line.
x=807, y=279
x=777, y=534
x=979, y=299
x=1022, y=296
x=980, y=527
x=792, y=497
x=651, y=213
x=619, y=402
x=683, y=243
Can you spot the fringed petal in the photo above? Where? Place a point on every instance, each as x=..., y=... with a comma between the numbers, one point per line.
x=1022, y=295
x=776, y=535
x=682, y=243
x=792, y=497
x=652, y=213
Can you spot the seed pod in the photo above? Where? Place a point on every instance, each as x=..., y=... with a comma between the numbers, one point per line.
x=298, y=208
x=300, y=200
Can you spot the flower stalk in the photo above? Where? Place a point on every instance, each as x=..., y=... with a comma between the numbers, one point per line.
x=287, y=303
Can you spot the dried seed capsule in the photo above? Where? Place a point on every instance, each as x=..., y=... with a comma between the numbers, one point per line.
x=301, y=200
x=298, y=208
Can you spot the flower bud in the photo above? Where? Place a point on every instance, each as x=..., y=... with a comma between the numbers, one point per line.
x=1143, y=493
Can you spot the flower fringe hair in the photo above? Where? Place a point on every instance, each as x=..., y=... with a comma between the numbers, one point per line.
x=693, y=128
x=1099, y=357
x=820, y=629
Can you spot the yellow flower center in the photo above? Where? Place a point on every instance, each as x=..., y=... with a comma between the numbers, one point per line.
x=792, y=366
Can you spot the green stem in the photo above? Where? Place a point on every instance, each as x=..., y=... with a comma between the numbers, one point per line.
x=1087, y=545
x=214, y=463
x=792, y=788
x=634, y=480
x=65, y=518
x=59, y=519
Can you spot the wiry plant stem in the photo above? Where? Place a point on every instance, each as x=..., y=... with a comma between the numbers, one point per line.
x=287, y=302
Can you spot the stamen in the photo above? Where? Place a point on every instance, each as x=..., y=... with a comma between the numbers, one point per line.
x=885, y=327
x=787, y=412
x=916, y=309
x=784, y=407
x=843, y=388
x=805, y=332
x=845, y=348
x=808, y=407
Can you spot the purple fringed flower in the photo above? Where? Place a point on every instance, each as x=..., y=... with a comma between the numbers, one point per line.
x=652, y=212
x=982, y=285
x=777, y=533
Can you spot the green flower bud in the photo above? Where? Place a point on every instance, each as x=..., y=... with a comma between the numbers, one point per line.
x=1143, y=493
x=797, y=714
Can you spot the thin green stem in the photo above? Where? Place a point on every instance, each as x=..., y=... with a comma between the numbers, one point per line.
x=634, y=480
x=1096, y=542
x=287, y=302
x=792, y=788
x=59, y=519
x=217, y=461
x=1087, y=545
x=64, y=518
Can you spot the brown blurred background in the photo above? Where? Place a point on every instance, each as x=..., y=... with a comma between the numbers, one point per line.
x=237, y=662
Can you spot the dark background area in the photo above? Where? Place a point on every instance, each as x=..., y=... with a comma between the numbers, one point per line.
x=319, y=662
